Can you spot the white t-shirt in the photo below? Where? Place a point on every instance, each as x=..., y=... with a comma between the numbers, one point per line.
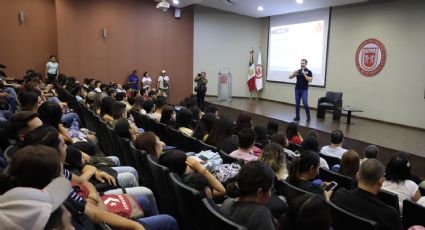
x=404, y=190
x=333, y=152
x=146, y=82
x=161, y=80
x=52, y=67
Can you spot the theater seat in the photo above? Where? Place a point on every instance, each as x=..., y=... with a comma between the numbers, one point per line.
x=345, y=220
x=332, y=101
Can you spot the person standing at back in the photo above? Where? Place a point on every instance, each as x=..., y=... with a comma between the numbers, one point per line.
x=201, y=89
x=52, y=70
x=164, y=82
x=304, y=76
x=133, y=80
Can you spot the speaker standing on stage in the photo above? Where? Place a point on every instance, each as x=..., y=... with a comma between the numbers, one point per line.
x=52, y=70
x=304, y=76
x=201, y=89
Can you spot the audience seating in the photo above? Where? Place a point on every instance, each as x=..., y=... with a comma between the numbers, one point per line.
x=227, y=159
x=345, y=220
x=294, y=147
x=141, y=162
x=389, y=198
x=196, y=211
x=290, y=191
x=163, y=193
x=343, y=181
x=330, y=160
x=413, y=214
x=332, y=101
x=422, y=191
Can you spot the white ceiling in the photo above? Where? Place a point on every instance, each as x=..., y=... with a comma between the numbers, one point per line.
x=271, y=7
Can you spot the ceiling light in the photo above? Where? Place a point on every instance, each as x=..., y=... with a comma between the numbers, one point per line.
x=300, y=1
x=176, y=2
x=260, y=8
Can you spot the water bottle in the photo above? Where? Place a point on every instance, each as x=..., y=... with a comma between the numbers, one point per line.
x=75, y=128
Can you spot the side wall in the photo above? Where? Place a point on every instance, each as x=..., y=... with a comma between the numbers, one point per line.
x=395, y=95
x=139, y=36
x=27, y=46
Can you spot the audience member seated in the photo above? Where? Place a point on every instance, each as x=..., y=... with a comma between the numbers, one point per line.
x=122, y=97
x=118, y=110
x=260, y=136
x=18, y=126
x=106, y=109
x=370, y=152
x=272, y=128
x=212, y=109
x=350, y=164
x=293, y=135
x=149, y=142
x=94, y=206
x=149, y=107
x=280, y=138
x=184, y=121
x=159, y=105
x=29, y=101
x=204, y=126
x=252, y=190
x=397, y=179
x=311, y=143
x=178, y=162
x=246, y=138
x=28, y=205
x=364, y=202
x=306, y=212
x=221, y=136
x=168, y=116
x=138, y=105
x=335, y=149
x=274, y=156
x=305, y=168
x=244, y=120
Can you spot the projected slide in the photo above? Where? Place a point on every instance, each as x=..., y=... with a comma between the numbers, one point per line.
x=302, y=36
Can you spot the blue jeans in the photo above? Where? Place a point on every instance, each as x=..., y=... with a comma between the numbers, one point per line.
x=159, y=222
x=301, y=94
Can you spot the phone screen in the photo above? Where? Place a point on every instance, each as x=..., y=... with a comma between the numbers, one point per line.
x=331, y=186
x=203, y=158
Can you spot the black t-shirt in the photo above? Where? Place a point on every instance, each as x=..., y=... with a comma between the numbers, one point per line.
x=302, y=83
x=249, y=214
x=367, y=205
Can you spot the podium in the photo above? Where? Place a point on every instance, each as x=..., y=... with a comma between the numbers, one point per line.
x=224, y=85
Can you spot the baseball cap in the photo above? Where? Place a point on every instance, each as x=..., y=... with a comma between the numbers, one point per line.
x=30, y=208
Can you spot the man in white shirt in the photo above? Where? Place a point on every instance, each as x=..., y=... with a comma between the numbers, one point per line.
x=52, y=70
x=334, y=149
x=164, y=82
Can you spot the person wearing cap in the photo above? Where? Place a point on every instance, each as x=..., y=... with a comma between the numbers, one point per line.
x=31, y=196
x=164, y=82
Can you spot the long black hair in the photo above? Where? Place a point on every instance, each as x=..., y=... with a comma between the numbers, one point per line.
x=302, y=164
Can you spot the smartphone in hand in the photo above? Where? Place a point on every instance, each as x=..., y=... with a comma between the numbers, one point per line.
x=331, y=186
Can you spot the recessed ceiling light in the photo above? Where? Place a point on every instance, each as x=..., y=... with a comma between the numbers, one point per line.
x=300, y=1
x=260, y=8
x=176, y=2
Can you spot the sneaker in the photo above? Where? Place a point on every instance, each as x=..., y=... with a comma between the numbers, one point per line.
x=296, y=119
x=308, y=120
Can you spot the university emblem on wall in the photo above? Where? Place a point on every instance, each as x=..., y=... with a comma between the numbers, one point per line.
x=370, y=57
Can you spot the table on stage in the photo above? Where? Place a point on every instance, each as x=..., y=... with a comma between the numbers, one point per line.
x=349, y=110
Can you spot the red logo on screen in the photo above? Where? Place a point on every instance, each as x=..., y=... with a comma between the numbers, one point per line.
x=370, y=57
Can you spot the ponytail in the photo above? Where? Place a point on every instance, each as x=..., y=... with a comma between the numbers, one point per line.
x=293, y=170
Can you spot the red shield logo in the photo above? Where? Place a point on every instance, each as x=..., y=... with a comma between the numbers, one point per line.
x=370, y=57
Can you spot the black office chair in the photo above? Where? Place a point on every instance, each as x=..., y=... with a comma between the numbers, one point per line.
x=389, y=198
x=343, y=181
x=216, y=220
x=413, y=214
x=345, y=220
x=332, y=101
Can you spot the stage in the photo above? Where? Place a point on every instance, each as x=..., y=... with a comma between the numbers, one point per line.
x=389, y=137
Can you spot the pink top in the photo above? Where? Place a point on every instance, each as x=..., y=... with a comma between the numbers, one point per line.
x=245, y=156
